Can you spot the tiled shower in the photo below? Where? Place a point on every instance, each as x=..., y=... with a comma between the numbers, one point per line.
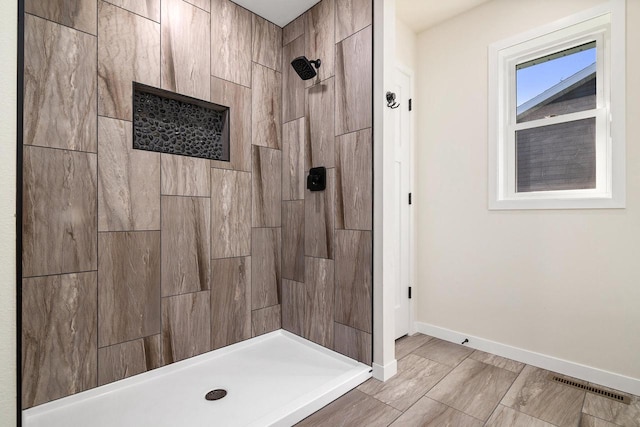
x=134, y=259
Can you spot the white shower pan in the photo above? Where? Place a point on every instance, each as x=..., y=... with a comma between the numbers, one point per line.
x=275, y=379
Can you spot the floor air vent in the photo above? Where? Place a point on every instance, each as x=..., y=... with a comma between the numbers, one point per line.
x=595, y=390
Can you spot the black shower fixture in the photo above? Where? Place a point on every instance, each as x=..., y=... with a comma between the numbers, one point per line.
x=303, y=67
x=317, y=179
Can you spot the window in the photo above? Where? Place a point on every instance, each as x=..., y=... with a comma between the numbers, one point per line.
x=556, y=121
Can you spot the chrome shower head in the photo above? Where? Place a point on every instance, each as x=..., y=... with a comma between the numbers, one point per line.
x=304, y=68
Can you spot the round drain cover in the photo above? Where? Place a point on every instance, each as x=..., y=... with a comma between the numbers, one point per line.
x=216, y=394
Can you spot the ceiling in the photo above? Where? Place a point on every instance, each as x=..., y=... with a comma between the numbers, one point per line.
x=422, y=14
x=280, y=12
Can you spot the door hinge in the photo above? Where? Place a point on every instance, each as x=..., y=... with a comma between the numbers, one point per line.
x=410, y=104
x=409, y=292
x=410, y=200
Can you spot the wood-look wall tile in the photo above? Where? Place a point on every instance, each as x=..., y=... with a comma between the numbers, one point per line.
x=266, y=320
x=230, y=213
x=319, y=304
x=353, y=343
x=128, y=180
x=319, y=118
x=60, y=90
x=354, y=181
x=319, y=213
x=147, y=8
x=265, y=267
x=230, y=301
x=352, y=16
x=78, y=14
x=320, y=38
x=266, y=100
x=354, y=74
x=267, y=187
x=185, y=176
x=230, y=42
x=293, y=30
x=186, y=242
x=186, y=326
x=267, y=43
x=293, y=306
x=130, y=358
x=58, y=336
x=202, y=4
x=353, y=279
x=293, y=170
x=59, y=218
x=129, y=50
x=128, y=286
x=238, y=99
x=186, y=61
x=293, y=240
x=293, y=85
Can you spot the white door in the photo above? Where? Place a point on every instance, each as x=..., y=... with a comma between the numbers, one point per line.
x=402, y=184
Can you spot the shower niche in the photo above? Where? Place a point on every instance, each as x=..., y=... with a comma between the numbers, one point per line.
x=167, y=122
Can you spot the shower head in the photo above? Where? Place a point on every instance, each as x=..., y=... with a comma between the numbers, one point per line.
x=303, y=67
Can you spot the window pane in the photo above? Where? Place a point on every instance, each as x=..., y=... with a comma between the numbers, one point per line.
x=560, y=83
x=556, y=157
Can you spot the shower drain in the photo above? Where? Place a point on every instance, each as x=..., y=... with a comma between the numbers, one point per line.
x=216, y=394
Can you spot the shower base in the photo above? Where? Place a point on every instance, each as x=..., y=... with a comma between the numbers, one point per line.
x=275, y=379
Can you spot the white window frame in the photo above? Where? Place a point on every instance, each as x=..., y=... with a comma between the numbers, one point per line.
x=605, y=25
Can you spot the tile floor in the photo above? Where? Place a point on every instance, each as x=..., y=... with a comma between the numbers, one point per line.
x=444, y=384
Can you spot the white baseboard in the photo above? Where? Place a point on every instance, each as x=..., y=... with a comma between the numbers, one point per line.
x=565, y=367
x=385, y=372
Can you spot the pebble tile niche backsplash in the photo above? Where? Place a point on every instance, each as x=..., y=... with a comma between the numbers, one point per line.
x=165, y=122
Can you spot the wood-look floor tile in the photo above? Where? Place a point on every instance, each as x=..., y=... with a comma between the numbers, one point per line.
x=185, y=176
x=474, y=388
x=589, y=421
x=129, y=50
x=353, y=82
x=128, y=286
x=267, y=43
x=293, y=170
x=612, y=411
x=293, y=240
x=429, y=413
x=444, y=352
x=186, y=326
x=320, y=38
x=407, y=344
x=293, y=86
x=130, y=358
x=354, y=272
x=534, y=394
x=60, y=91
x=230, y=213
x=128, y=180
x=319, y=215
x=266, y=107
x=147, y=8
x=230, y=301
x=78, y=14
x=59, y=212
x=267, y=187
x=354, y=181
x=319, y=124
x=415, y=377
x=353, y=343
x=507, y=417
x=265, y=320
x=319, y=307
x=353, y=409
x=238, y=99
x=500, y=362
x=186, y=243
x=58, y=330
x=230, y=42
x=202, y=4
x=265, y=267
x=352, y=16
x=293, y=306
x=293, y=30
x=186, y=51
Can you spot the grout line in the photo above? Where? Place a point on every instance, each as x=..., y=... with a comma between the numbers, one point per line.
x=62, y=25
x=131, y=12
x=60, y=274
x=71, y=150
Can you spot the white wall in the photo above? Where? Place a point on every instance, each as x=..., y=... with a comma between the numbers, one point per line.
x=8, y=53
x=405, y=45
x=561, y=283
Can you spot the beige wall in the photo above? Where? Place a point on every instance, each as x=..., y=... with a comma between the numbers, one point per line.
x=558, y=282
x=405, y=45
